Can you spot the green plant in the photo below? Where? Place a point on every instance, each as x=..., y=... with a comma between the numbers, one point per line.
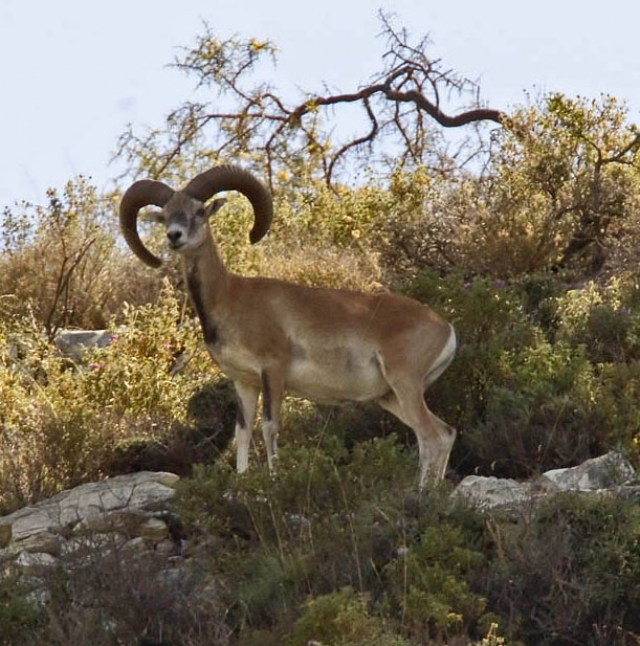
x=61, y=265
x=20, y=615
x=428, y=584
x=342, y=618
x=570, y=573
x=337, y=527
x=61, y=421
x=542, y=379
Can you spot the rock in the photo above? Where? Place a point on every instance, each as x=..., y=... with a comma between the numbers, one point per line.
x=35, y=564
x=154, y=530
x=145, y=490
x=74, y=343
x=98, y=517
x=136, y=545
x=166, y=478
x=80, y=546
x=41, y=542
x=490, y=492
x=126, y=518
x=129, y=522
x=603, y=472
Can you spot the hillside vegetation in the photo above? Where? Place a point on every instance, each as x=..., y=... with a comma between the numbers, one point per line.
x=531, y=250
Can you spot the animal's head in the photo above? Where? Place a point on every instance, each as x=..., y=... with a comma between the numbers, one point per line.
x=185, y=213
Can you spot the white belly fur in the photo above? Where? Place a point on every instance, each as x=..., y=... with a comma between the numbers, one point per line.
x=333, y=375
x=359, y=380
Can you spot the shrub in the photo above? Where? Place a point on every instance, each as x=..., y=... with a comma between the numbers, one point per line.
x=19, y=616
x=60, y=262
x=542, y=379
x=570, y=573
x=116, y=597
x=345, y=530
x=63, y=421
x=342, y=618
x=604, y=319
x=428, y=585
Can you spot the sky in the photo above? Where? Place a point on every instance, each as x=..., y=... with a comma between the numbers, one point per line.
x=74, y=73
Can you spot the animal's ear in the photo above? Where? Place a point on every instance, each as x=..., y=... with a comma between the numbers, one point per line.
x=154, y=216
x=214, y=207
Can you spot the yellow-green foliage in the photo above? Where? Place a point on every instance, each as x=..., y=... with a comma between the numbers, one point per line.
x=428, y=584
x=554, y=190
x=544, y=377
x=59, y=262
x=61, y=421
x=319, y=242
x=342, y=619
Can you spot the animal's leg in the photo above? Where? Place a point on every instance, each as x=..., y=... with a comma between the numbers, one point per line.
x=447, y=439
x=435, y=437
x=272, y=394
x=247, y=402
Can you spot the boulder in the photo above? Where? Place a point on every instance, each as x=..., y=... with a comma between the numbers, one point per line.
x=74, y=343
x=34, y=564
x=604, y=472
x=124, y=505
x=607, y=473
x=490, y=492
x=41, y=542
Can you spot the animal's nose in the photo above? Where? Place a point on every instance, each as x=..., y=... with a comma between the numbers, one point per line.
x=174, y=237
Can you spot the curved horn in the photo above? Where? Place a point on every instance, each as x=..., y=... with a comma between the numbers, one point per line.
x=233, y=178
x=140, y=194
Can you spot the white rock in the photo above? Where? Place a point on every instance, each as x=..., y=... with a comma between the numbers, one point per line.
x=125, y=521
x=43, y=542
x=145, y=490
x=35, y=564
x=80, y=546
x=490, y=492
x=153, y=529
x=135, y=545
x=604, y=472
x=73, y=343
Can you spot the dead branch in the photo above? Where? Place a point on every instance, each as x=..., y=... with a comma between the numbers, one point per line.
x=260, y=123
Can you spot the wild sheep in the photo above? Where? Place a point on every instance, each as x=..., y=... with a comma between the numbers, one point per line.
x=270, y=336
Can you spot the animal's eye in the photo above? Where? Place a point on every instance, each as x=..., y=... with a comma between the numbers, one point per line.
x=201, y=212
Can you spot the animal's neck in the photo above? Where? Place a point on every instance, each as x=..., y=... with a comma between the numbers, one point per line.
x=207, y=280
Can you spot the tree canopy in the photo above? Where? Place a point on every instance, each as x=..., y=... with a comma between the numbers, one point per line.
x=241, y=117
x=560, y=171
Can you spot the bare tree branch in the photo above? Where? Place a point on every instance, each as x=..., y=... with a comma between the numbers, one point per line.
x=259, y=123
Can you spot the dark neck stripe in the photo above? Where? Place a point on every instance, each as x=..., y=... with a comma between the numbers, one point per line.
x=209, y=328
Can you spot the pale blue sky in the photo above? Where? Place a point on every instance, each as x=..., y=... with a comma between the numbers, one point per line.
x=73, y=72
